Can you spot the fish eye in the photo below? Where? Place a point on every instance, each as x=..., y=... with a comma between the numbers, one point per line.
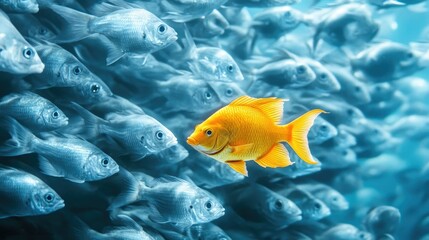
x=159, y=135
x=323, y=128
x=95, y=88
x=77, y=70
x=142, y=139
x=300, y=69
x=323, y=76
x=49, y=197
x=55, y=114
x=410, y=55
x=208, y=205
x=162, y=28
x=278, y=204
x=230, y=68
x=357, y=89
x=105, y=162
x=207, y=95
x=28, y=53
x=334, y=199
x=191, y=207
x=287, y=14
x=43, y=31
x=209, y=132
x=144, y=36
x=349, y=112
x=317, y=206
x=229, y=92
x=361, y=235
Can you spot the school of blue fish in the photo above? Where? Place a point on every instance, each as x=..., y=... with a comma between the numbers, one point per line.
x=99, y=97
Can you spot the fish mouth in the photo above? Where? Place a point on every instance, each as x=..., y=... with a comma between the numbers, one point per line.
x=37, y=68
x=60, y=204
x=191, y=141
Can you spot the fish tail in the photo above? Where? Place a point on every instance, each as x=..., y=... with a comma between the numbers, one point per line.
x=296, y=134
x=130, y=193
x=20, y=141
x=77, y=24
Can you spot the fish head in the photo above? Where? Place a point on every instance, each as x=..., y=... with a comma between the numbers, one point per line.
x=226, y=69
x=206, y=207
x=322, y=130
x=99, y=166
x=154, y=136
x=336, y=201
x=289, y=18
x=22, y=58
x=316, y=209
x=45, y=200
x=227, y=91
x=302, y=75
x=52, y=117
x=27, y=6
x=280, y=210
x=41, y=32
x=93, y=90
x=204, y=97
x=159, y=35
x=325, y=81
x=209, y=138
x=73, y=72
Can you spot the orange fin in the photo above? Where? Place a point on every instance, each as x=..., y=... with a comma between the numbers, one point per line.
x=239, y=149
x=278, y=156
x=239, y=166
x=297, y=131
x=271, y=107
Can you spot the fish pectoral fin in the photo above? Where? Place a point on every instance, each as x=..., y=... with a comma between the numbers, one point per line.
x=239, y=149
x=278, y=156
x=238, y=165
x=47, y=168
x=113, y=54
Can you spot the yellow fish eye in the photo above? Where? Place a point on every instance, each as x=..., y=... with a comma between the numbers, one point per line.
x=209, y=132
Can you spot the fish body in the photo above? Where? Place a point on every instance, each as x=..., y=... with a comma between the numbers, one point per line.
x=231, y=137
x=382, y=220
x=30, y=26
x=261, y=3
x=343, y=232
x=214, y=64
x=19, y=6
x=331, y=197
x=72, y=158
x=23, y=194
x=177, y=201
x=130, y=31
x=275, y=22
x=33, y=111
x=386, y=61
x=311, y=207
x=286, y=73
x=17, y=55
x=138, y=134
x=185, y=10
x=347, y=24
x=267, y=207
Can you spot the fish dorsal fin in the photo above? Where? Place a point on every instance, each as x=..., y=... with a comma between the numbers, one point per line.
x=271, y=107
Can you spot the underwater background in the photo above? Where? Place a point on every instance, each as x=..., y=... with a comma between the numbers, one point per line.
x=98, y=99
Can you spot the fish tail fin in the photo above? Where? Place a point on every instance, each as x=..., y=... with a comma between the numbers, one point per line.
x=296, y=134
x=77, y=27
x=20, y=141
x=130, y=193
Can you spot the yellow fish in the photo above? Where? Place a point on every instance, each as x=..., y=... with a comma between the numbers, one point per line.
x=248, y=129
